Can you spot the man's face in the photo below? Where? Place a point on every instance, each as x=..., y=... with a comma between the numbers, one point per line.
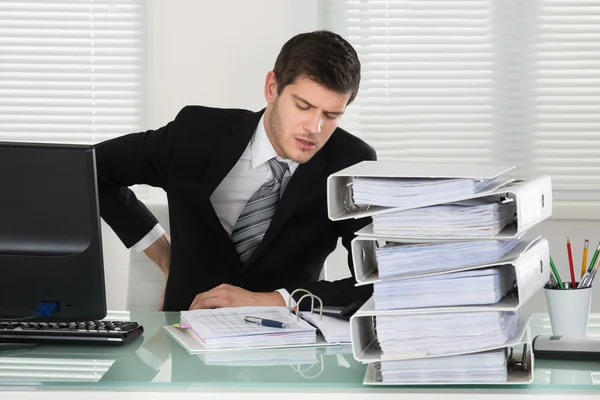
x=301, y=119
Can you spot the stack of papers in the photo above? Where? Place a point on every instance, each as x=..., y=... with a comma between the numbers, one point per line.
x=224, y=328
x=413, y=192
x=334, y=330
x=406, y=259
x=484, y=217
x=479, y=286
x=439, y=334
x=488, y=366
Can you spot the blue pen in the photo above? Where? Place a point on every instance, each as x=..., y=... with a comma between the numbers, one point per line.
x=265, y=322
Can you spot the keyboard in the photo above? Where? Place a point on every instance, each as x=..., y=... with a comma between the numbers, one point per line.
x=106, y=333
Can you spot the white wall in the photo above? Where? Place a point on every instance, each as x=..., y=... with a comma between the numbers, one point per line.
x=214, y=53
x=217, y=52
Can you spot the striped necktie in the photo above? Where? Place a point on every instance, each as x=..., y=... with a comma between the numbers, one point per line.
x=256, y=215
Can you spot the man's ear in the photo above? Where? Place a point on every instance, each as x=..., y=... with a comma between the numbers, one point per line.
x=270, y=87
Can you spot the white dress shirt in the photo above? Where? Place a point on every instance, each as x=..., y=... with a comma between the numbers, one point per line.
x=234, y=191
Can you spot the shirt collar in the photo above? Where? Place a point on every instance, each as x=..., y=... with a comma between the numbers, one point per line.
x=262, y=149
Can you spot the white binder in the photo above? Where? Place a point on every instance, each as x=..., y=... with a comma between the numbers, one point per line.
x=533, y=200
x=519, y=369
x=365, y=346
x=339, y=185
x=530, y=259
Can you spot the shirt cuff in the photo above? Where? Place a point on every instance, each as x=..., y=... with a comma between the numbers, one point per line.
x=286, y=298
x=150, y=238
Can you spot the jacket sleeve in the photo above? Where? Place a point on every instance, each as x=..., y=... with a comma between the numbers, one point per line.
x=342, y=292
x=137, y=158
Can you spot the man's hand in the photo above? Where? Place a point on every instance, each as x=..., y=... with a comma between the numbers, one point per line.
x=160, y=253
x=232, y=296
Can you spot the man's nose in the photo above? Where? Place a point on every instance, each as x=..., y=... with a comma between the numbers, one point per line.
x=315, y=123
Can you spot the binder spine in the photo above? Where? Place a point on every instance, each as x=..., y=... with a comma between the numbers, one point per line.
x=533, y=270
x=534, y=203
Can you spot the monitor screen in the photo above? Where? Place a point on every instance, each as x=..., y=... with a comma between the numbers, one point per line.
x=50, y=240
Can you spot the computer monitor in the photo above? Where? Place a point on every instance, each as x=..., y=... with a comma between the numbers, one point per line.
x=50, y=238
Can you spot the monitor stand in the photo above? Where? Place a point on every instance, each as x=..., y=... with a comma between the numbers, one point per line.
x=17, y=346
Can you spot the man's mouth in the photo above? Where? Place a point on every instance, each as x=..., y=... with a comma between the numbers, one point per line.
x=306, y=144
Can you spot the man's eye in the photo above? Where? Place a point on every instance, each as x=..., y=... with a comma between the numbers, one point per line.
x=301, y=107
x=330, y=117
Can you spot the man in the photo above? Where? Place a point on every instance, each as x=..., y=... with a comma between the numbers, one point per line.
x=246, y=191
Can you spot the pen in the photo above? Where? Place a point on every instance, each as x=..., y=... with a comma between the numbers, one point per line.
x=592, y=276
x=584, y=259
x=556, y=275
x=585, y=280
x=265, y=322
x=594, y=257
x=571, y=266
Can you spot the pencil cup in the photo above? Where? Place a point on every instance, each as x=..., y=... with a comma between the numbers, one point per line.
x=569, y=310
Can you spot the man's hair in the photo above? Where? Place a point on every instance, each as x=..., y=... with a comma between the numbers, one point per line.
x=322, y=56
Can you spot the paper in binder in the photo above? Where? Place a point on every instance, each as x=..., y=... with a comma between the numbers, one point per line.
x=510, y=281
x=529, y=259
x=392, y=259
x=444, y=332
x=482, y=217
x=411, y=192
x=403, y=186
x=508, y=365
x=478, y=286
x=433, y=332
x=531, y=201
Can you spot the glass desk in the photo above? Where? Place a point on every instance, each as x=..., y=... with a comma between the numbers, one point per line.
x=155, y=363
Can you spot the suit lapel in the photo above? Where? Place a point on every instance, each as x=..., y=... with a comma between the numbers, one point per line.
x=303, y=179
x=227, y=152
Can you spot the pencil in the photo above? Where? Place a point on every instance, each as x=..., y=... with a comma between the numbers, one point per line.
x=594, y=257
x=571, y=267
x=584, y=259
x=556, y=275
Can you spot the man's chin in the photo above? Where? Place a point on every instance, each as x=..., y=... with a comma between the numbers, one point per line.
x=302, y=156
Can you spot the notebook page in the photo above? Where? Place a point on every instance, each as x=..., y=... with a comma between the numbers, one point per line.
x=229, y=322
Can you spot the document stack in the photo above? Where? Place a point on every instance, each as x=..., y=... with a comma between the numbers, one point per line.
x=450, y=266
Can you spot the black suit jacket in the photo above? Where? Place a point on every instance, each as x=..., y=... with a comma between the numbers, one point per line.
x=188, y=158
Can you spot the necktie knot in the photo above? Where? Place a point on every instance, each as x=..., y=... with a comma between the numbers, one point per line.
x=278, y=168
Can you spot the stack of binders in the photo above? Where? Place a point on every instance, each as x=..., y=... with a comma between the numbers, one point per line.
x=451, y=269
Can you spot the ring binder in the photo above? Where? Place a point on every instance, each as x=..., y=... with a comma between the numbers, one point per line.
x=341, y=194
x=513, y=364
x=518, y=371
x=312, y=308
x=348, y=199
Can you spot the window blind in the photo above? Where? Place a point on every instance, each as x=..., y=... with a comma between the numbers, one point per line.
x=71, y=71
x=480, y=81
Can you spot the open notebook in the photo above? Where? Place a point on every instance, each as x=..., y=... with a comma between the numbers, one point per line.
x=224, y=329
